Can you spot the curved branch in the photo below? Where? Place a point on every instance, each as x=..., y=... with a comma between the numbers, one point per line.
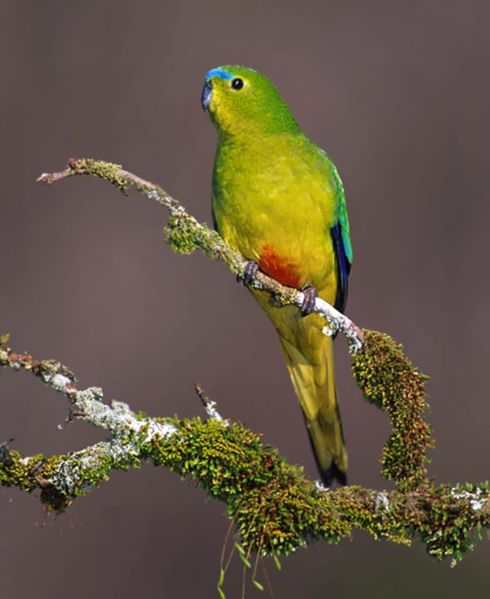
x=185, y=234
x=275, y=508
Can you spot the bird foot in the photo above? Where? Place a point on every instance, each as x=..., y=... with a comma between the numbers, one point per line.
x=249, y=273
x=310, y=295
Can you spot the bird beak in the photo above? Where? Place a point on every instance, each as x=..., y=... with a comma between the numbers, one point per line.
x=207, y=91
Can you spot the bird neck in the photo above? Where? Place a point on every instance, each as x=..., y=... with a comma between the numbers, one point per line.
x=255, y=137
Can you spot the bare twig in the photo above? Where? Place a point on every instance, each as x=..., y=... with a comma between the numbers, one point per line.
x=209, y=405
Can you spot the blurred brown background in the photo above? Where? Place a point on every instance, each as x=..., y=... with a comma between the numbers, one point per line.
x=398, y=94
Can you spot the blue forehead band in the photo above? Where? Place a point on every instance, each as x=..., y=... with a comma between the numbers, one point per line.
x=220, y=73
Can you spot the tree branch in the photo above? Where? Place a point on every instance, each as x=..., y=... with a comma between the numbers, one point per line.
x=274, y=507
x=185, y=234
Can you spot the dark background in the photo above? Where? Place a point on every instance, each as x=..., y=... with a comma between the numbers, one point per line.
x=398, y=94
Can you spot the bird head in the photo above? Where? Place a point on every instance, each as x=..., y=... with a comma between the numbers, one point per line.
x=242, y=101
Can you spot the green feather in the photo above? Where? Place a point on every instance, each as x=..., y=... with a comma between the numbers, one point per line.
x=342, y=211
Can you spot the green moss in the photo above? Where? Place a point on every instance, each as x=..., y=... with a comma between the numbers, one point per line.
x=226, y=459
x=108, y=171
x=452, y=521
x=184, y=234
x=39, y=473
x=389, y=380
x=179, y=235
x=276, y=510
x=15, y=471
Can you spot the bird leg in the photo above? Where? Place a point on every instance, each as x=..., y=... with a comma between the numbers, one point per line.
x=249, y=273
x=310, y=295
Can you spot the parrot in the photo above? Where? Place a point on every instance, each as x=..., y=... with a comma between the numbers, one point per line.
x=278, y=199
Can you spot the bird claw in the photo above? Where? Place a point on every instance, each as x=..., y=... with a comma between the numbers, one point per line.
x=310, y=294
x=249, y=273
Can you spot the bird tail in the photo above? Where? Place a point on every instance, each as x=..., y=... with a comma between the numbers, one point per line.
x=309, y=358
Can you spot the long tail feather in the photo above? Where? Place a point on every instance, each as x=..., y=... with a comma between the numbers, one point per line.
x=310, y=363
x=309, y=358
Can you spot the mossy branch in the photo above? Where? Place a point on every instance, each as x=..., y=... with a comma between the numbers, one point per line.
x=184, y=234
x=275, y=508
x=404, y=456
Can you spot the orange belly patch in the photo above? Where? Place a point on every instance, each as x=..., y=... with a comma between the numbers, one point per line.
x=278, y=267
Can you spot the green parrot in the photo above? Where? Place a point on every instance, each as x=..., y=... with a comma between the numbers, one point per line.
x=279, y=200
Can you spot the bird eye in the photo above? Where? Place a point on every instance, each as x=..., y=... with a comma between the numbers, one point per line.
x=237, y=83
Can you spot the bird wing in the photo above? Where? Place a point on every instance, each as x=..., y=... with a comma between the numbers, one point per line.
x=340, y=233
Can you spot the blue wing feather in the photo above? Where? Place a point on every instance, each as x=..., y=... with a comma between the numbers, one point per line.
x=343, y=267
x=341, y=242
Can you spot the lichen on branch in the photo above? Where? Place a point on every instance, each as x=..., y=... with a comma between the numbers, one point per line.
x=184, y=234
x=274, y=507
